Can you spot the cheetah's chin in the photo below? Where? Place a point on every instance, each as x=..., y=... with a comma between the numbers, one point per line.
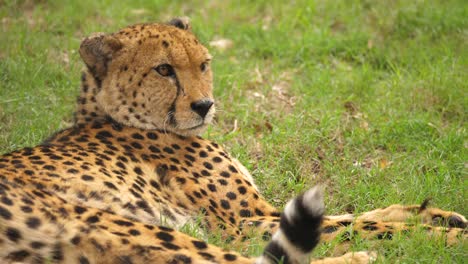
x=194, y=131
x=190, y=131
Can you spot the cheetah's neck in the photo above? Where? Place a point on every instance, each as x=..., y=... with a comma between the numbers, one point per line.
x=87, y=108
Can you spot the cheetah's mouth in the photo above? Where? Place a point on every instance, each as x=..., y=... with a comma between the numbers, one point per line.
x=192, y=129
x=194, y=124
x=197, y=126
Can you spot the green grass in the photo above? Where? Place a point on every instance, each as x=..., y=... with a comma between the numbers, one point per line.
x=368, y=98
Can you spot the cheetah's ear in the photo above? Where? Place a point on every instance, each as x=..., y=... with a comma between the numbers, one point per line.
x=181, y=22
x=97, y=50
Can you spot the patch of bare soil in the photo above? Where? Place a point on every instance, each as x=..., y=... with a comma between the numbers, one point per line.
x=271, y=95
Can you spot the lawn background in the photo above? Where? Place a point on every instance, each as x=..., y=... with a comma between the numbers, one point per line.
x=367, y=98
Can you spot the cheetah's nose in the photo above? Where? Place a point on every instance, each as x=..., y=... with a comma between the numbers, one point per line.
x=201, y=107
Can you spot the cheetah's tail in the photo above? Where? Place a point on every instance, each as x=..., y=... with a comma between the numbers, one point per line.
x=299, y=230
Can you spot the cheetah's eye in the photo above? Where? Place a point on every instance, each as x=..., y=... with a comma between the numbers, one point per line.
x=165, y=70
x=204, y=66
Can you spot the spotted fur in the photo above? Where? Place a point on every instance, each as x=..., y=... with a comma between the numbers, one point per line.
x=117, y=185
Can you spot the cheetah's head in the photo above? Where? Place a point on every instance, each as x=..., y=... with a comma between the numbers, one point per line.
x=152, y=76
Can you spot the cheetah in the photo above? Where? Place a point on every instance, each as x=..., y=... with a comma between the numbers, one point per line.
x=117, y=185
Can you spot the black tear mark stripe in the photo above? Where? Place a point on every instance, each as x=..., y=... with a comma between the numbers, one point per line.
x=171, y=113
x=172, y=108
x=180, y=89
